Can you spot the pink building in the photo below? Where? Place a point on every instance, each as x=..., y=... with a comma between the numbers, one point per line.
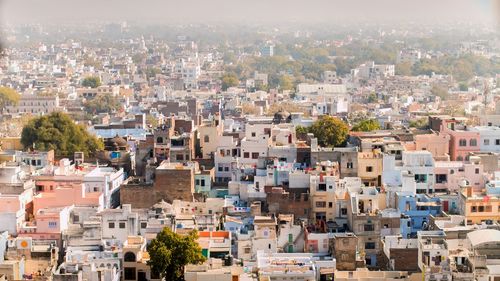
x=48, y=225
x=437, y=144
x=67, y=195
x=462, y=143
x=14, y=208
x=450, y=174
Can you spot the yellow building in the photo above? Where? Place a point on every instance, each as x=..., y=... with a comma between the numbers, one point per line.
x=370, y=167
x=479, y=207
x=135, y=258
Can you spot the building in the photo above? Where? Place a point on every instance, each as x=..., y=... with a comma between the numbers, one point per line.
x=171, y=181
x=35, y=105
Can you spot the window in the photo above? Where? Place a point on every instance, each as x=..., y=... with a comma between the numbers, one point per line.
x=255, y=155
x=369, y=169
x=481, y=209
x=202, y=182
x=486, y=142
x=129, y=257
x=220, y=169
x=206, y=138
x=421, y=178
x=246, y=155
x=122, y=225
x=370, y=245
x=330, y=204
x=321, y=204
x=343, y=211
x=253, y=134
x=473, y=142
x=159, y=140
x=197, y=182
x=441, y=178
x=369, y=227
x=144, y=224
x=52, y=224
x=179, y=157
x=477, y=170
x=111, y=225
x=226, y=169
x=497, y=142
x=473, y=209
x=462, y=142
x=349, y=165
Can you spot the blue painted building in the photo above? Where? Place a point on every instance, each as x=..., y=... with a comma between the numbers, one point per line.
x=416, y=210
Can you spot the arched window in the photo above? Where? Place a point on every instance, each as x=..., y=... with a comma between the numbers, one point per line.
x=473, y=142
x=159, y=140
x=462, y=142
x=129, y=256
x=206, y=138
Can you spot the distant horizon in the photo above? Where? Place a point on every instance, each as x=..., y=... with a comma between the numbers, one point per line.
x=248, y=12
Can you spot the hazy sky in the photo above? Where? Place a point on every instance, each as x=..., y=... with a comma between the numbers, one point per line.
x=188, y=11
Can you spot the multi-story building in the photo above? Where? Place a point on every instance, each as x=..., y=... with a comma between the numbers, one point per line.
x=433, y=259
x=35, y=105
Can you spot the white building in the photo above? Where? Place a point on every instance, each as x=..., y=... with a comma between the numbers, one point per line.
x=106, y=180
x=409, y=55
x=291, y=266
x=370, y=70
x=489, y=138
x=121, y=223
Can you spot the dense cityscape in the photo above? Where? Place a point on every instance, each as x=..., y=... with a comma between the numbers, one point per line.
x=285, y=152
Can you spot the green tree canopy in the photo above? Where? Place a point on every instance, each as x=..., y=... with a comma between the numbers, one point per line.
x=102, y=103
x=91, y=81
x=439, y=91
x=59, y=132
x=8, y=96
x=403, y=69
x=463, y=86
x=366, y=125
x=372, y=98
x=169, y=252
x=330, y=131
x=229, y=80
x=421, y=123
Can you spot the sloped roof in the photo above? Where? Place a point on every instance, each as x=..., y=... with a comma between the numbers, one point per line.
x=482, y=236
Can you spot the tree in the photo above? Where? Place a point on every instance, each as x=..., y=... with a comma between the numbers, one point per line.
x=8, y=96
x=463, y=86
x=366, y=125
x=330, y=131
x=91, y=82
x=439, y=91
x=403, y=69
x=59, y=132
x=170, y=252
x=229, y=80
x=285, y=106
x=300, y=130
x=102, y=103
x=286, y=83
x=152, y=120
x=421, y=123
x=250, y=109
x=372, y=98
